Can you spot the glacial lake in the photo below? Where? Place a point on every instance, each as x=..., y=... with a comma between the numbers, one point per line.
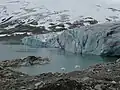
x=59, y=59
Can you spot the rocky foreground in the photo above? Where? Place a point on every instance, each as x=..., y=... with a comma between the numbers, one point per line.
x=97, y=77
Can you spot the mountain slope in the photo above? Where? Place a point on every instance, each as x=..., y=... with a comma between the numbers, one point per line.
x=20, y=13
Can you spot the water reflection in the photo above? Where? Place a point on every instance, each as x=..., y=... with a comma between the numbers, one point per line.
x=58, y=58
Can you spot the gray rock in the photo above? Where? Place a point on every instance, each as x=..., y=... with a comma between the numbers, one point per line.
x=28, y=61
x=39, y=83
x=22, y=87
x=113, y=82
x=98, y=87
x=85, y=78
x=63, y=84
x=118, y=60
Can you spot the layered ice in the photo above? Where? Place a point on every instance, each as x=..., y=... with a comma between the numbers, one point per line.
x=100, y=39
x=42, y=40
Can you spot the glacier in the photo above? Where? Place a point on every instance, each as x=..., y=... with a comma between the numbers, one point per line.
x=43, y=16
x=42, y=40
x=100, y=39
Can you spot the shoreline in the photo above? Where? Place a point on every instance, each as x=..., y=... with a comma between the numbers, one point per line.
x=97, y=77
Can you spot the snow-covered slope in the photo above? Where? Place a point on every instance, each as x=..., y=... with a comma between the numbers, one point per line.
x=50, y=13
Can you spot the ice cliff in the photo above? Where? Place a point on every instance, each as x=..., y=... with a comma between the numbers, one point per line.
x=100, y=39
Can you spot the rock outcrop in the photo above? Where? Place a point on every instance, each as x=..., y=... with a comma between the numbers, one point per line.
x=28, y=61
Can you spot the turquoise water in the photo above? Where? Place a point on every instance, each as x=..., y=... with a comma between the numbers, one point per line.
x=59, y=59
